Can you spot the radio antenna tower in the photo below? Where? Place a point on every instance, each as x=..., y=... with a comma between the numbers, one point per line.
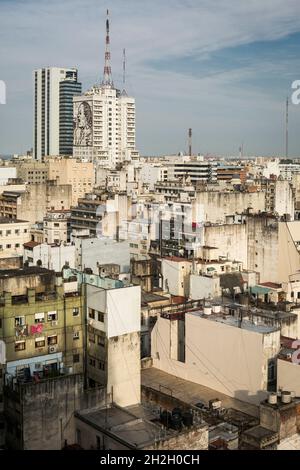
x=287, y=129
x=107, y=75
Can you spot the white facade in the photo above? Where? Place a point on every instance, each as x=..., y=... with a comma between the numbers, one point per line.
x=284, y=200
x=46, y=109
x=104, y=126
x=93, y=252
x=121, y=310
x=50, y=256
x=13, y=234
x=152, y=173
x=218, y=354
x=7, y=172
x=204, y=287
x=176, y=276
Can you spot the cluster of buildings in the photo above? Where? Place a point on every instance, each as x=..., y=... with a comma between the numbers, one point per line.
x=145, y=302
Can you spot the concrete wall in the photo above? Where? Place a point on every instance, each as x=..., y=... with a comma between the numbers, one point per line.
x=203, y=287
x=52, y=257
x=229, y=239
x=38, y=199
x=47, y=410
x=228, y=359
x=95, y=251
x=263, y=248
x=284, y=201
x=176, y=276
x=288, y=255
x=7, y=172
x=288, y=376
x=123, y=369
x=217, y=205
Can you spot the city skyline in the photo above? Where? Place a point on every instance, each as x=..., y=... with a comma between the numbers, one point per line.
x=224, y=71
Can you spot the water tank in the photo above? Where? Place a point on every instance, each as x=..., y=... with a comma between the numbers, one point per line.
x=166, y=418
x=176, y=419
x=272, y=399
x=286, y=397
x=187, y=419
x=216, y=308
x=207, y=310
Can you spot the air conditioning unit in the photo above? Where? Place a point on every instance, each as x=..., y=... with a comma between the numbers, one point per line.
x=54, y=323
x=52, y=349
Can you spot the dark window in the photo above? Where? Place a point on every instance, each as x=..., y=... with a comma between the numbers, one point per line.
x=75, y=312
x=76, y=358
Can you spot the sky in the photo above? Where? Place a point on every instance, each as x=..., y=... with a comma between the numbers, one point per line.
x=222, y=67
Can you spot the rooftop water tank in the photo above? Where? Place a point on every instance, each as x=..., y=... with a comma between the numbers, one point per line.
x=286, y=397
x=272, y=399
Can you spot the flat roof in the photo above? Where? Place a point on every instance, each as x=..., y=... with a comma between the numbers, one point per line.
x=131, y=424
x=231, y=321
x=191, y=393
x=6, y=220
x=7, y=273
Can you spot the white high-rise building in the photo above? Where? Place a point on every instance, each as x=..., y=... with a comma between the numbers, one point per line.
x=54, y=89
x=104, y=121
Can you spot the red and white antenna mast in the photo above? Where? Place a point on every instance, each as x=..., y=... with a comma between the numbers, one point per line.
x=107, y=76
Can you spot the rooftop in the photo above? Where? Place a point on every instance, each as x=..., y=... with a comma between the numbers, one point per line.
x=28, y=271
x=232, y=321
x=6, y=220
x=135, y=426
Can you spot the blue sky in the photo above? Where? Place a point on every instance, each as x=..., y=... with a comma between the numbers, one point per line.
x=222, y=67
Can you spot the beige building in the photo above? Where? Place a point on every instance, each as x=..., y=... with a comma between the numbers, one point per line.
x=55, y=226
x=13, y=234
x=33, y=172
x=33, y=203
x=218, y=351
x=79, y=174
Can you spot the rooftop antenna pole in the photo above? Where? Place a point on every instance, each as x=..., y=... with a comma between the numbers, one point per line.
x=190, y=142
x=124, y=68
x=107, y=76
x=287, y=129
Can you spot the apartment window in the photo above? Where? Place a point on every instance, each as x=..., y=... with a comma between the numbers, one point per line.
x=19, y=321
x=8, y=246
x=92, y=313
x=40, y=342
x=76, y=358
x=101, y=317
x=1, y=233
x=39, y=317
x=25, y=230
x=17, y=232
x=76, y=335
x=91, y=337
x=56, y=224
x=101, y=365
x=292, y=294
x=52, y=340
x=8, y=232
x=17, y=245
x=1, y=247
x=52, y=316
x=75, y=312
x=92, y=362
x=101, y=341
x=20, y=346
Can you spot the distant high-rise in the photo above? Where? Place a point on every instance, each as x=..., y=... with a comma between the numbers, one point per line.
x=104, y=121
x=54, y=89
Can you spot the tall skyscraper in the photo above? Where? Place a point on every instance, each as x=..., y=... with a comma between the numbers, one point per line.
x=104, y=121
x=54, y=89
